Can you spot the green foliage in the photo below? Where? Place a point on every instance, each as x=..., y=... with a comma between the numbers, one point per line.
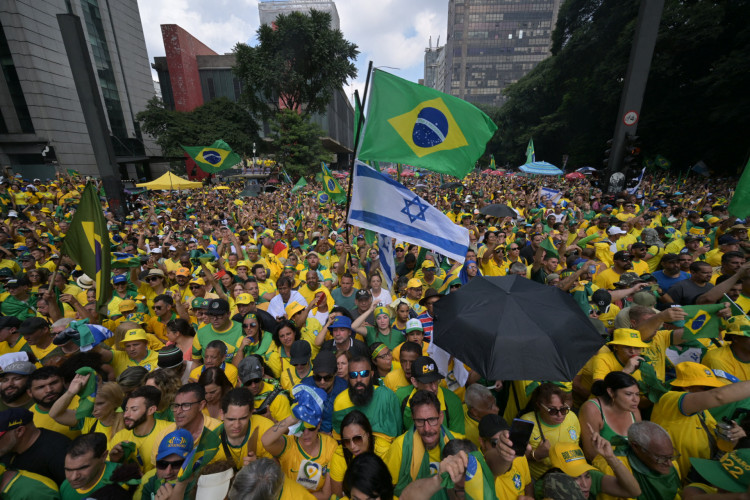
x=297, y=143
x=298, y=64
x=217, y=119
x=695, y=106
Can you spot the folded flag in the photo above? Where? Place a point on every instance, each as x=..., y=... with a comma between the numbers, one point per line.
x=299, y=185
x=87, y=394
x=385, y=256
x=549, y=245
x=383, y=205
x=122, y=260
x=415, y=125
x=202, y=454
x=701, y=321
x=478, y=479
x=214, y=158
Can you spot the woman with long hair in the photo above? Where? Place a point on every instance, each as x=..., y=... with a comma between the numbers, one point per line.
x=284, y=335
x=356, y=438
x=379, y=294
x=181, y=333
x=168, y=385
x=103, y=416
x=611, y=412
x=216, y=384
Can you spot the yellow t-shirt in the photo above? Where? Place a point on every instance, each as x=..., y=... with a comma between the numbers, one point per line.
x=471, y=427
x=307, y=470
x=209, y=424
x=394, y=456
x=262, y=424
x=607, y=279
x=607, y=362
x=338, y=462
x=43, y=420
x=396, y=379
x=657, y=351
x=687, y=433
x=569, y=431
x=121, y=361
x=512, y=483
x=145, y=444
x=723, y=359
x=280, y=408
x=229, y=370
x=289, y=377
x=640, y=267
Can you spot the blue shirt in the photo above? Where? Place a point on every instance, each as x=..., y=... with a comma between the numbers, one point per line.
x=665, y=282
x=339, y=386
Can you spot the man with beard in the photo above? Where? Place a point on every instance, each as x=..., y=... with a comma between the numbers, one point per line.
x=621, y=264
x=241, y=431
x=141, y=428
x=45, y=387
x=13, y=381
x=182, y=278
x=23, y=446
x=324, y=377
x=378, y=403
x=11, y=339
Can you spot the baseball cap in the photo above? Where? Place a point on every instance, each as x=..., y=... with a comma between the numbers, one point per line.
x=425, y=370
x=731, y=473
x=412, y=325
x=428, y=264
x=615, y=230
x=341, y=322
x=728, y=239
x=217, y=307
x=569, y=458
x=9, y=322
x=14, y=418
x=300, y=352
x=627, y=337
x=199, y=303
x=249, y=369
x=197, y=281
x=30, y=325
x=20, y=368
x=135, y=334
x=178, y=442
x=601, y=298
x=244, y=298
x=414, y=283
x=691, y=374
x=127, y=305
x=183, y=271
x=325, y=362
x=362, y=294
x=292, y=309
x=120, y=278
x=559, y=485
x=491, y=424
x=622, y=255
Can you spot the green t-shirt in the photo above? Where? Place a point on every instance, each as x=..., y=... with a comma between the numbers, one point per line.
x=67, y=492
x=391, y=340
x=206, y=334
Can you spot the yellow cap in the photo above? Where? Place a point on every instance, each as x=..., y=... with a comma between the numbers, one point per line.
x=690, y=374
x=414, y=283
x=627, y=337
x=244, y=298
x=293, y=308
x=569, y=458
x=135, y=334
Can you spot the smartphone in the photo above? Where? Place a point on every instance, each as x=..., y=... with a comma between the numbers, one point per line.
x=520, y=433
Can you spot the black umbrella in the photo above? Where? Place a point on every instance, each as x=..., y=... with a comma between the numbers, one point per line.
x=451, y=185
x=512, y=328
x=498, y=210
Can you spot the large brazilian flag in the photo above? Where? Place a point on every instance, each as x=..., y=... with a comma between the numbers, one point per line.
x=214, y=158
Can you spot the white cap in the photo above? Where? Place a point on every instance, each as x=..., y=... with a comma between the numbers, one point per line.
x=413, y=324
x=155, y=250
x=12, y=213
x=211, y=486
x=172, y=249
x=616, y=230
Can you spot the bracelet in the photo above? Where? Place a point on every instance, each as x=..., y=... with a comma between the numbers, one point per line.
x=532, y=455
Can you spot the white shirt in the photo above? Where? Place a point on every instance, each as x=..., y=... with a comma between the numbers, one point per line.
x=277, y=305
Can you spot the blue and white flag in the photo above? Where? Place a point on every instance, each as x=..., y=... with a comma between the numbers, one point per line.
x=634, y=190
x=553, y=194
x=387, y=263
x=385, y=206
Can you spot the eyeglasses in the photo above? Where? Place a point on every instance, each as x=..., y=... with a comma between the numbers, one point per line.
x=254, y=381
x=320, y=378
x=184, y=406
x=158, y=308
x=195, y=287
x=388, y=354
x=659, y=459
x=513, y=248
x=153, y=278
x=165, y=464
x=556, y=411
x=359, y=374
x=357, y=440
x=421, y=422
x=250, y=325
x=299, y=364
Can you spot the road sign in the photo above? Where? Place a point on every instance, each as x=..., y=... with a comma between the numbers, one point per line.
x=630, y=118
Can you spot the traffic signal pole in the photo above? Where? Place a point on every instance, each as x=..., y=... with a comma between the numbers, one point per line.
x=644, y=41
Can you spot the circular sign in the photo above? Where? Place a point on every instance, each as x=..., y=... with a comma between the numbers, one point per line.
x=630, y=118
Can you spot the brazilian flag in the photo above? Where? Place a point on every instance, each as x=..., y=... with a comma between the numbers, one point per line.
x=322, y=197
x=701, y=321
x=87, y=243
x=331, y=186
x=419, y=126
x=214, y=158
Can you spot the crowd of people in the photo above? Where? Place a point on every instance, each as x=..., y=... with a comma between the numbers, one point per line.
x=254, y=348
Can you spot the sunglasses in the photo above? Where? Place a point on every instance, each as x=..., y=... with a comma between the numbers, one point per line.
x=251, y=325
x=195, y=287
x=556, y=411
x=254, y=381
x=164, y=464
x=359, y=374
x=153, y=278
x=358, y=440
x=320, y=378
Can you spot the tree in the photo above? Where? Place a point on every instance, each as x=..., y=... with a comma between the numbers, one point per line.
x=217, y=119
x=297, y=143
x=298, y=64
x=694, y=106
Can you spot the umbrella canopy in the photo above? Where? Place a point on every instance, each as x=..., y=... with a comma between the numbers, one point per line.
x=512, y=328
x=540, y=168
x=496, y=172
x=586, y=170
x=575, y=175
x=486, y=171
x=407, y=173
x=170, y=182
x=450, y=185
x=391, y=171
x=498, y=210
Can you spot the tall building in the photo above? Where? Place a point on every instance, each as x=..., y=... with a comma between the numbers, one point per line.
x=493, y=43
x=41, y=119
x=270, y=9
x=434, y=66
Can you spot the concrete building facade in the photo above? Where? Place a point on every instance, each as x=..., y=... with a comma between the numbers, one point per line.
x=41, y=122
x=493, y=43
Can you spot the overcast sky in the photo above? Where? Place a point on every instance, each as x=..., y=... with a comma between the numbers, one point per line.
x=389, y=32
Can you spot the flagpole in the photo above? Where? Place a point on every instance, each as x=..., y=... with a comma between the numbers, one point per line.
x=735, y=305
x=356, y=145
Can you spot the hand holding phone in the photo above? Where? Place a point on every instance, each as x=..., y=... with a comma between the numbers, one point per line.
x=520, y=433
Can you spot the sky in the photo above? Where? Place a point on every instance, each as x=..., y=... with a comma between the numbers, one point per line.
x=391, y=33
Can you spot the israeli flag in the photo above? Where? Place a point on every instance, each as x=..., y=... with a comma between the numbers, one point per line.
x=634, y=190
x=553, y=194
x=385, y=206
x=387, y=264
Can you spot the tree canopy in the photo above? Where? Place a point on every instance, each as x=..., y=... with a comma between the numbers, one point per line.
x=217, y=119
x=297, y=64
x=695, y=106
x=297, y=143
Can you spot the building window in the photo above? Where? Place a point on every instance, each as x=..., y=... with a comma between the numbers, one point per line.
x=14, y=87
